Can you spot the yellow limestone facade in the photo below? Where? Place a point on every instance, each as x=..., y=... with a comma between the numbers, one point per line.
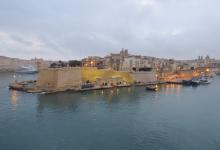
x=93, y=74
x=74, y=77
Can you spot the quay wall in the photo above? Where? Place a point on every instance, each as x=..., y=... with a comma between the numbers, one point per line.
x=144, y=77
x=74, y=77
x=47, y=78
x=92, y=74
x=59, y=77
x=69, y=77
x=217, y=71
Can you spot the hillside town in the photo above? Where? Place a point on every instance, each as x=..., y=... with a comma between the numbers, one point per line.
x=122, y=61
x=114, y=70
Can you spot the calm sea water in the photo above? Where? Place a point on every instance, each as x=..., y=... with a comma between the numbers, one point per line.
x=175, y=118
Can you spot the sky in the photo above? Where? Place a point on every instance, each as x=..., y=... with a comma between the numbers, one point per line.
x=74, y=29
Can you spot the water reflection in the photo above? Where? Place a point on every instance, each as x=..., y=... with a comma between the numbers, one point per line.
x=170, y=89
x=70, y=101
x=133, y=118
x=15, y=96
x=59, y=101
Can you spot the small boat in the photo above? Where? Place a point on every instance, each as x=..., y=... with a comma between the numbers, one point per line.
x=16, y=86
x=87, y=86
x=204, y=80
x=195, y=81
x=151, y=88
x=187, y=82
x=26, y=70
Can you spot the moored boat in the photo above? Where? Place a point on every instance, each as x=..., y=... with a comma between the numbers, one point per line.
x=87, y=86
x=195, y=81
x=187, y=82
x=152, y=88
x=204, y=80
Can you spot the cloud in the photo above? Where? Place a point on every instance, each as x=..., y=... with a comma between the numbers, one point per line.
x=29, y=47
x=66, y=29
x=144, y=3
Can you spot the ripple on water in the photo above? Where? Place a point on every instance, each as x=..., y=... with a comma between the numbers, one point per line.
x=129, y=118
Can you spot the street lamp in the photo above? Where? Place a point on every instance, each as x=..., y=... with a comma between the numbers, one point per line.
x=92, y=63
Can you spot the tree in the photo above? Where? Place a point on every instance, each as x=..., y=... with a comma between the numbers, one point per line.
x=53, y=65
x=75, y=63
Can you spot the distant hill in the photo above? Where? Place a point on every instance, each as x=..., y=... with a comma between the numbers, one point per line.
x=8, y=64
x=3, y=57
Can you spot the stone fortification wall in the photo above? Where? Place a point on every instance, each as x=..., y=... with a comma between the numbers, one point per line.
x=144, y=77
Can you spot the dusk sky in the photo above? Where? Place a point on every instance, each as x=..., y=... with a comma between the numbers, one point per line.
x=73, y=29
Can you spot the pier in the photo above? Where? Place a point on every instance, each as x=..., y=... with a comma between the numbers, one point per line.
x=30, y=87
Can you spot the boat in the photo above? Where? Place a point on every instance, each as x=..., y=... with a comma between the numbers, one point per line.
x=26, y=69
x=204, y=80
x=187, y=82
x=16, y=86
x=152, y=88
x=195, y=81
x=87, y=86
x=192, y=82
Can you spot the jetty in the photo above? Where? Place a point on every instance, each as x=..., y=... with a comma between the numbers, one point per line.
x=80, y=79
x=30, y=87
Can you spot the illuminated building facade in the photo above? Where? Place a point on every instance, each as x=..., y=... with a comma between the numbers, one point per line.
x=93, y=61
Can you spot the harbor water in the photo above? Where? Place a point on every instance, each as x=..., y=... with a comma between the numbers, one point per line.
x=173, y=118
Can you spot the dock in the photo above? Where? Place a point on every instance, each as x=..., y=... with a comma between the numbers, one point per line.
x=174, y=82
x=30, y=87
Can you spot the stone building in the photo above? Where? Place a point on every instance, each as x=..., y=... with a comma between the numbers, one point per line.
x=132, y=63
x=59, y=78
x=115, y=60
x=75, y=77
x=92, y=75
x=93, y=61
x=110, y=81
x=144, y=76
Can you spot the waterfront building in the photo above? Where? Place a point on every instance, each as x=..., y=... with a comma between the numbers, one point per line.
x=134, y=63
x=143, y=77
x=91, y=75
x=75, y=77
x=58, y=78
x=205, y=62
x=115, y=60
x=110, y=81
x=93, y=61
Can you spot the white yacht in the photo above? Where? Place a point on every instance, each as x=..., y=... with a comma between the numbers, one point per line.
x=26, y=69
